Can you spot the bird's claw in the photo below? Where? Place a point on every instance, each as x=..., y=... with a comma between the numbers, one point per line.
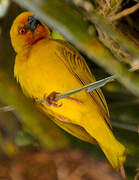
x=74, y=99
x=51, y=99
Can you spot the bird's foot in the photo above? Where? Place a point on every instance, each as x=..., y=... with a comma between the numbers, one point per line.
x=51, y=99
x=74, y=99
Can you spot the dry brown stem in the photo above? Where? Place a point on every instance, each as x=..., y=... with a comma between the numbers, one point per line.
x=125, y=12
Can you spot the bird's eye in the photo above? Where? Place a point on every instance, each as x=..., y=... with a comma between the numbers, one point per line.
x=22, y=31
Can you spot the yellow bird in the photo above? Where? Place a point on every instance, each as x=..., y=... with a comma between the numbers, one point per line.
x=45, y=67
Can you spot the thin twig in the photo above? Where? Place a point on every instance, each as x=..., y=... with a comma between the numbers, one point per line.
x=135, y=67
x=125, y=12
x=122, y=170
x=7, y=108
x=130, y=127
x=137, y=175
x=90, y=87
x=124, y=103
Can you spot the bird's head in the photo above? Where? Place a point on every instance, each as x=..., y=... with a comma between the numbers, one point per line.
x=27, y=30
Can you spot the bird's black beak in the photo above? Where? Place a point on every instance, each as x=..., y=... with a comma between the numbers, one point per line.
x=33, y=23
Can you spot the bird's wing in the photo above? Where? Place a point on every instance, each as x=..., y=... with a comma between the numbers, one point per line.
x=78, y=67
x=75, y=130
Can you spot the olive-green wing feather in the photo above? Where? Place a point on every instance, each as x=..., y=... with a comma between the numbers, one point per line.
x=78, y=67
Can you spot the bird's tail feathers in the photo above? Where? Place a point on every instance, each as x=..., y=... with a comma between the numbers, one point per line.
x=112, y=148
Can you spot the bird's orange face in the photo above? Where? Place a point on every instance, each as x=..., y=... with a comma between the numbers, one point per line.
x=26, y=30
